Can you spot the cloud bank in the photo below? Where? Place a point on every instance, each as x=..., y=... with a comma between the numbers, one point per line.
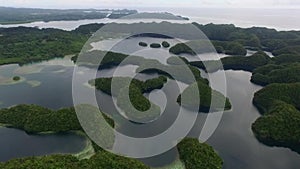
x=152, y=3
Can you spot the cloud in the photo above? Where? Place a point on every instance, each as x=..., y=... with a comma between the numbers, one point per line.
x=144, y=3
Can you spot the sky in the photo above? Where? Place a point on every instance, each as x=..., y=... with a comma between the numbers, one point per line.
x=151, y=3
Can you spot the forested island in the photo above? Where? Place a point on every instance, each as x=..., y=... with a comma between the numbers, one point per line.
x=280, y=123
x=36, y=119
x=26, y=15
x=234, y=63
x=140, y=111
x=204, y=102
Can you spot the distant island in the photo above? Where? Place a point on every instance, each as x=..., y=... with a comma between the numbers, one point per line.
x=9, y=15
x=26, y=15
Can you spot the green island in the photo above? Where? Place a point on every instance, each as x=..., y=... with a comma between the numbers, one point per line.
x=204, y=102
x=235, y=63
x=36, y=119
x=281, y=69
x=245, y=63
x=271, y=73
x=280, y=123
x=143, y=44
x=27, y=45
x=109, y=59
x=191, y=154
x=165, y=44
x=26, y=15
x=177, y=60
x=230, y=48
x=16, y=78
x=42, y=120
x=173, y=71
x=143, y=110
x=155, y=45
x=199, y=47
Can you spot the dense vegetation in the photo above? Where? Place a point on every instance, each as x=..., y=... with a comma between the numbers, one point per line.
x=280, y=123
x=37, y=119
x=101, y=160
x=23, y=15
x=287, y=73
x=16, y=78
x=281, y=69
x=288, y=93
x=143, y=44
x=198, y=47
x=181, y=72
x=107, y=59
x=230, y=48
x=254, y=38
x=26, y=45
x=235, y=62
x=196, y=155
x=140, y=112
x=245, y=63
x=204, y=100
x=177, y=60
x=155, y=45
x=191, y=152
x=165, y=44
x=286, y=58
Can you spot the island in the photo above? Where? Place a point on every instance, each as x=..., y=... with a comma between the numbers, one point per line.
x=198, y=47
x=271, y=73
x=279, y=125
x=155, y=45
x=36, y=119
x=165, y=44
x=26, y=15
x=16, y=78
x=281, y=69
x=204, y=99
x=192, y=153
x=234, y=63
x=143, y=110
x=143, y=44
